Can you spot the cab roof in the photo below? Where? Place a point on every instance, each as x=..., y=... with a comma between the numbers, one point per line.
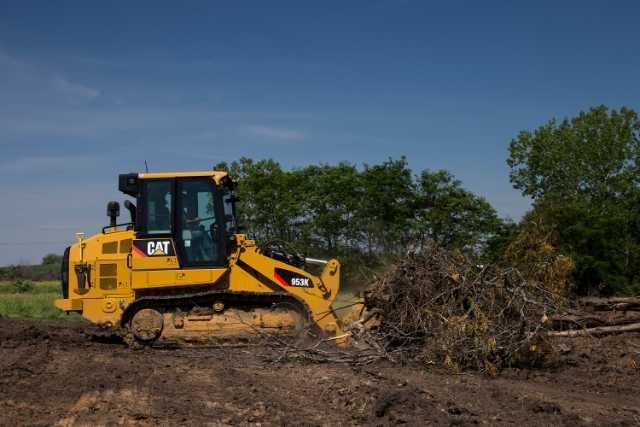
x=128, y=183
x=216, y=175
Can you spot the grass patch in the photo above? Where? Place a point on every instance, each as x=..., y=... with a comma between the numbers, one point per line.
x=34, y=301
x=35, y=306
x=49, y=287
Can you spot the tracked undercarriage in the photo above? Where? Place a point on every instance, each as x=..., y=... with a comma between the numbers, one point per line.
x=214, y=318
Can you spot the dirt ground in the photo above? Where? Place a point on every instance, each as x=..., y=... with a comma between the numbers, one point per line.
x=51, y=374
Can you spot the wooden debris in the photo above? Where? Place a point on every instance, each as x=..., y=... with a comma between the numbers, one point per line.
x=598, y=331
x=438, y=305
x=608, y=304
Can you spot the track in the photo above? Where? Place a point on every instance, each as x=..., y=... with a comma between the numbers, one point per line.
x=214, y=316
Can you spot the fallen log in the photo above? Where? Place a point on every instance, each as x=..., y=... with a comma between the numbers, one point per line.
x=615, y=303
x=590, y=320
x=598, y=331
x=614, y=300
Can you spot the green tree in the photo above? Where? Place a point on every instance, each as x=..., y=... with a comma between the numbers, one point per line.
x=52, y=259
x=602, y=240
x=385, y=206
x=584, y=175
x=269, y=205
x=594, y=156
x=329, y=199
x=497, y=243
x=452, y=216
x=361, y=215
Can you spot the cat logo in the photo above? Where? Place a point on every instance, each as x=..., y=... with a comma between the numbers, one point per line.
x=153, y=248
x=159, y=248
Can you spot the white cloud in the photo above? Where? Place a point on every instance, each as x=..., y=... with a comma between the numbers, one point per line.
x=27, y=82
x=47, y=163
x=73, y=90
x=282, y=134
x=44, y=120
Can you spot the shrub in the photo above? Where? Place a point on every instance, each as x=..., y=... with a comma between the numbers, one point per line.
x=23, y=286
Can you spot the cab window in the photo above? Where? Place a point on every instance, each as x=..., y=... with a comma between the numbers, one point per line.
x=197, y=222
x=158, y=207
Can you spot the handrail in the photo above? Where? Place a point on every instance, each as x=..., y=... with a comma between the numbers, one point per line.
x=104, y=229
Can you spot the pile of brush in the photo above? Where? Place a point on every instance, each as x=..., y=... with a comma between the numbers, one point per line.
x=440, y=308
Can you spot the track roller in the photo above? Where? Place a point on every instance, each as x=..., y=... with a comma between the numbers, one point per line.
x=146, y=325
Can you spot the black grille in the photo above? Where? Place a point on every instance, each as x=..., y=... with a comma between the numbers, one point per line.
x=64, y=273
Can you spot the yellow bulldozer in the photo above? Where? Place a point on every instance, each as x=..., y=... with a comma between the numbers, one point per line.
x=181, y=270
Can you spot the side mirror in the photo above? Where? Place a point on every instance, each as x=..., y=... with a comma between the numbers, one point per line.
x=132, y=210
x=113, y=212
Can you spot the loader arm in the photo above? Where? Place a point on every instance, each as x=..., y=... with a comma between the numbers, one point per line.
x=316, y=292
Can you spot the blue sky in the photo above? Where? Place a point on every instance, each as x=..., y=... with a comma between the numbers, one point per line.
x=92, y=89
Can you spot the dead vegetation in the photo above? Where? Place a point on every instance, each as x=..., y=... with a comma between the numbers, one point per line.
x=440, y=307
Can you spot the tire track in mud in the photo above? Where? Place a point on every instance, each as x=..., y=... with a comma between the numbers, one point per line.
x=50, y=374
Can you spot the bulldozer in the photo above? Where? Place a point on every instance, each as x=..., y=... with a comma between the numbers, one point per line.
x=181, y=270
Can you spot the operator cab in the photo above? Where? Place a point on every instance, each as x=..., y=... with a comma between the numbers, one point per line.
x=195, y=210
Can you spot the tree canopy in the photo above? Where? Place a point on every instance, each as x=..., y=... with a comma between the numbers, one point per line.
x=593, y=156
x=373, y=211
x=584, y=174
